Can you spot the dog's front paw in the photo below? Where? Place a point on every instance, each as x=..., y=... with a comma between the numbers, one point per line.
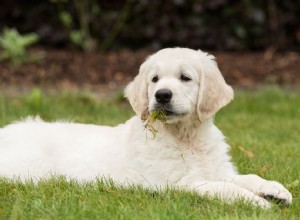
x=272, y=190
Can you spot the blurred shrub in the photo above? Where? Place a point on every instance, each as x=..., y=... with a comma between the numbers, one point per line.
x=34, y=101
x=208, y=24
x=14, y=46
x=82, y=11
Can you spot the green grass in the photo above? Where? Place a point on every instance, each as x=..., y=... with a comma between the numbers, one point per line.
x=265, y=123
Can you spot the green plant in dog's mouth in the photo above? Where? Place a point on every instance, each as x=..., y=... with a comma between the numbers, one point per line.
x=154, y=116
x=158, y=115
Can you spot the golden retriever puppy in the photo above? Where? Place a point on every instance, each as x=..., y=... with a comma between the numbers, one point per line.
x=187, y=150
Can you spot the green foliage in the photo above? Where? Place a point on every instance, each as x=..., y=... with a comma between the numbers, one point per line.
x=14, y=46
x=158, y=115
x=84, y=19
x=152, y=117
x=66, y=19
x=264, y=122
x=206, y=24
x=78, y=38
x=34, y=101
x=79, y=34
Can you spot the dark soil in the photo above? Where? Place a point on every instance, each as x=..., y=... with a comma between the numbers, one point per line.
x=113, y=69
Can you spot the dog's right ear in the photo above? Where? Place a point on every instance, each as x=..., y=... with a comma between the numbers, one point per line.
x=136, y=93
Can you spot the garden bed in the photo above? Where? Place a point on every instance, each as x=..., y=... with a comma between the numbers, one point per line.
x=65, y=68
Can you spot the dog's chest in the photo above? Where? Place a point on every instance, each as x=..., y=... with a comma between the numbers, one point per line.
x=166, y=161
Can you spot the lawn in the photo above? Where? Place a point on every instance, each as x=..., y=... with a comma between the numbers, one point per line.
x=262, y=126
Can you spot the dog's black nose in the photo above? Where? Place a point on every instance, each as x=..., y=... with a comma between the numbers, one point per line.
x=163, y=96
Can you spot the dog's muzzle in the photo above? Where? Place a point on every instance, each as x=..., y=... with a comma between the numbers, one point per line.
x=163, y=98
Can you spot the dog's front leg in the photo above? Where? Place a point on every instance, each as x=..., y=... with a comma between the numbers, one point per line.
x=270, y=190
x=228, y=192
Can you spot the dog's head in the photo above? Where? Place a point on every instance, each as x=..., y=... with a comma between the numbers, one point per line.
x=181, y=82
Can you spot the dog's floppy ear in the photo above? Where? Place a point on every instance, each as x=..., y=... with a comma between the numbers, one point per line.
x=136, y=93
x=214, y=93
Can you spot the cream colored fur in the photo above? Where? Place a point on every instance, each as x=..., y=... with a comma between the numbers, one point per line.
x=188, y=151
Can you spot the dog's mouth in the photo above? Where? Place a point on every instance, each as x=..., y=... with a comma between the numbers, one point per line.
x=167, y=110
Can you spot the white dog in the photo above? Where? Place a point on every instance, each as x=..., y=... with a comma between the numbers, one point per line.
x=187, y=151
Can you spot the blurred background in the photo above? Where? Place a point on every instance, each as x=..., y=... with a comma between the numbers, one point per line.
x=73, y=43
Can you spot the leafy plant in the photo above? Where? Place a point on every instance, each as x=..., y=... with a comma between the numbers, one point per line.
x=14, y=46
x=158, y=115
x=78, y=18
x=155, y=115
x=34, y=101
x=78, y=23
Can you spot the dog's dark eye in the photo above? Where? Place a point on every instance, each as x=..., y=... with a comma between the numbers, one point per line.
x=184, y=78
x=155, y=79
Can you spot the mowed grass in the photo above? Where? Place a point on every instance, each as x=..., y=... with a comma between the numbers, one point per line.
x=263, y=128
